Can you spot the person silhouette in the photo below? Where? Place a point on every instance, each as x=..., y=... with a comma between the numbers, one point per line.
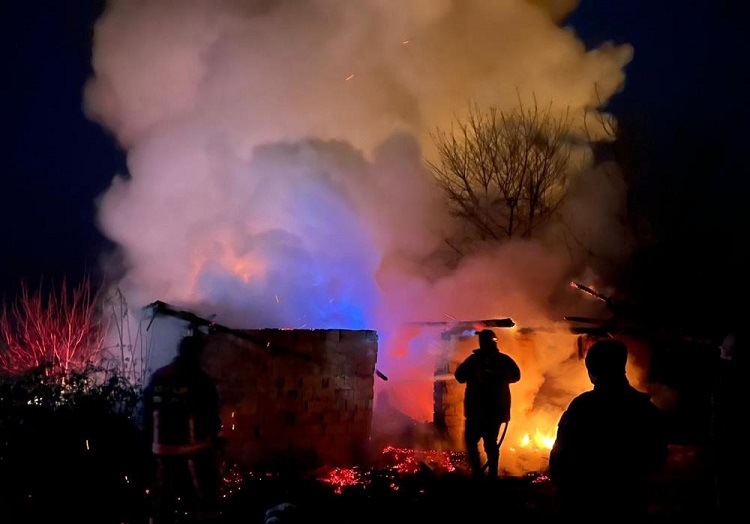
x=487, y=373
x=728, y=399
x=610, y=441
x=183, y=430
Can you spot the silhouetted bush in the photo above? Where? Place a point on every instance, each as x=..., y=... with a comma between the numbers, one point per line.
x=70, y=446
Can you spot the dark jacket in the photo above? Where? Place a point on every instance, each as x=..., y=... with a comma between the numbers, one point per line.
x=487, y=374
x=610, y=440
x=187, y=403
x=728, y=421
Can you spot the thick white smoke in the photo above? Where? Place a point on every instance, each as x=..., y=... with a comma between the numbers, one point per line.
x=275, y=154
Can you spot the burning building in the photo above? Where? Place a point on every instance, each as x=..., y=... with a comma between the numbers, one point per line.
x=276, y=178
x=298, y=398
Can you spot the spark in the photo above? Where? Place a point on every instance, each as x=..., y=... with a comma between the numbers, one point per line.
x=87, y=445
x=406, y=41
x=277, y=299
x=350, y=77
x=232, y=481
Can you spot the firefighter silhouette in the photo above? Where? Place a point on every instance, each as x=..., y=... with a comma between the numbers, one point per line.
x=487, y=373
x=183, y=426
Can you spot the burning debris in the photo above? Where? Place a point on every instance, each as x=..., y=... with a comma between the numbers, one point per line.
x=341, y=478
x=406, y=461
x=396, y=466
x=456, y=327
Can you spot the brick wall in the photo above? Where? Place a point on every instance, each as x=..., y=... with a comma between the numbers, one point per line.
x=295, y=398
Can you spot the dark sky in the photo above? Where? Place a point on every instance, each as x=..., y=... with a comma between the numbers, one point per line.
x=55, y=162
x=684, y=114
x=683, y=109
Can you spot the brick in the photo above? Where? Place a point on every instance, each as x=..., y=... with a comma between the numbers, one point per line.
x=296, y=400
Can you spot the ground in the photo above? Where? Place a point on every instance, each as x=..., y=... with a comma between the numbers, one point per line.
x=411, y=487
x=430, y=494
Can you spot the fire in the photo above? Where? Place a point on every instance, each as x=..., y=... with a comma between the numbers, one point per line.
x=552, y=374
x=540, y=441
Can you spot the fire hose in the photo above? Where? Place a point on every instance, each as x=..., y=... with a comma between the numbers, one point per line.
x=499, y=443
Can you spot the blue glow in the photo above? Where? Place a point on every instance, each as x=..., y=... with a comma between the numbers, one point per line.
x=309, y=252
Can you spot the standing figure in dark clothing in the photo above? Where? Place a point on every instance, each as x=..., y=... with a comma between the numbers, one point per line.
x=609, y=443
x=183, y=426
x=729, y=399
x=487, y=374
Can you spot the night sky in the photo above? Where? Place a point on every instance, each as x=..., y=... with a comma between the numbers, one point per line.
x=56, y=161
x=682, y=109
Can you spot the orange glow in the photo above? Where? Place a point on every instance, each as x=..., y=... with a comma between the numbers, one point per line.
x=552, y=374
x=540, y=441
x=247, y=269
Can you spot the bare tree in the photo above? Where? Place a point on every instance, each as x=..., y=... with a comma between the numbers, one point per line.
x=130, y=346
x=61, y=333
x=503, y=172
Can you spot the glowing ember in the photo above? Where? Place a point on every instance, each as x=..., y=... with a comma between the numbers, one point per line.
x=399, y=463
x=409, y=461
x=232, y=481
x=341, y=478
x=540, y=479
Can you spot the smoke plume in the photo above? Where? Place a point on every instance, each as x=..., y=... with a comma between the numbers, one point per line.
x=275, y=159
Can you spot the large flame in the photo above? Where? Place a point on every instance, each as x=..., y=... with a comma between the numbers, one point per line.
x=540, y=442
